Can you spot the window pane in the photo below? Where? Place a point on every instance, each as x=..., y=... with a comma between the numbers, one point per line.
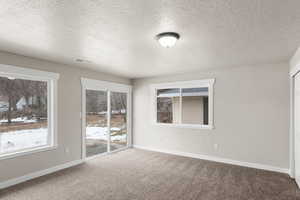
x=168, y=102
x=174, y=92
x=96, y=122
x=195, y=91
x=118, y=121
x=195, y=106
x=23, y=114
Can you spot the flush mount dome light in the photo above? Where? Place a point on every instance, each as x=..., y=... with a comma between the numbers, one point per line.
x=167, y=39
x=11, y=78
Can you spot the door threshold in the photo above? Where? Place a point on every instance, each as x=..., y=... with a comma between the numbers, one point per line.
x=105, y=154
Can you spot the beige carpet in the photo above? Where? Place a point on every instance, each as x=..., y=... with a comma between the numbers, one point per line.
x=144, y=175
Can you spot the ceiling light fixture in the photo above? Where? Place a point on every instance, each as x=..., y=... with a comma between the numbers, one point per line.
x=167, y=39
x=11, y=78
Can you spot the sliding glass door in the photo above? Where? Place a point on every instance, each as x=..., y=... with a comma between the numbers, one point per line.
x=106, y=122
x=96, y=132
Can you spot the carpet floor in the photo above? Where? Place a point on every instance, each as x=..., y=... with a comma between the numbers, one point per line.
x=143, y=175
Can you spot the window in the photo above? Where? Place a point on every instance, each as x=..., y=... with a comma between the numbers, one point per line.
x=184, y=104
x=27, y=110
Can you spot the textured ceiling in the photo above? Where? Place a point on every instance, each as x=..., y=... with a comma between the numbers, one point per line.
x=118, y=36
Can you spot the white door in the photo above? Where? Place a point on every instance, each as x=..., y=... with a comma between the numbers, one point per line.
x=297, y=126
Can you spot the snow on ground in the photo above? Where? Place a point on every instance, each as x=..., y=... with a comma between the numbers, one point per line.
x=100, y=133
x=23, y=139
x=19, y=119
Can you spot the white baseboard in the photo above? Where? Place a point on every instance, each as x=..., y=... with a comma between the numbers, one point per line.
x=217, y=159
x=33, y=175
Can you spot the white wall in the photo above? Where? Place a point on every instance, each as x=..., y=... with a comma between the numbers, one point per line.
x=69, y=122
x=251, y=116
x=175, y=109
x=192, y=110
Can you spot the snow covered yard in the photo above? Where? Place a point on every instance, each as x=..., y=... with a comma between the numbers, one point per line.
x=22, y=139
x=30, y=138
x=100, y=133
x=96, y=140
x=19, y=119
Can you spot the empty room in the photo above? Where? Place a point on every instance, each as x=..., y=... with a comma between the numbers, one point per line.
x=149, y=100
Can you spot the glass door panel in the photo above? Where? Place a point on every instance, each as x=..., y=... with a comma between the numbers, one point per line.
x=96, y=137
x=118, y=120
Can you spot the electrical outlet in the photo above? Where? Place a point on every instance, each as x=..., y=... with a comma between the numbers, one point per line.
x=67, y=150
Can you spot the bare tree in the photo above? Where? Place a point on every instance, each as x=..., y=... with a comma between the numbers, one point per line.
x=118, y=104
x=95, y=101
x=40, y=94
x=16, y=89
x=26, y=89
x=9, y=88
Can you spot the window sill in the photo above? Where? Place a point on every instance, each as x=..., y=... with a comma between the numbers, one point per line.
x=190, y=126
x=27, y=152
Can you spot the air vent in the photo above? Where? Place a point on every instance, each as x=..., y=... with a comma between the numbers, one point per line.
x=82, y=60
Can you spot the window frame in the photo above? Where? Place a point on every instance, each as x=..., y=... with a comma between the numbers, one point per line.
x=181, y=85
x=51, y=79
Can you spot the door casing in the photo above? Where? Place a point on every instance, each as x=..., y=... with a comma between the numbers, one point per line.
x=295, y=71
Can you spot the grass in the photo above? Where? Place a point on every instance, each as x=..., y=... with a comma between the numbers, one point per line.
x=15, y=126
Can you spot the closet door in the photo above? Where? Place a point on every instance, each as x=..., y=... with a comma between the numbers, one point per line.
x=297, y=126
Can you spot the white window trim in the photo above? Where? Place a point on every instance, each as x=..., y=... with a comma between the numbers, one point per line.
x=51, y=79
x=185, y=84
